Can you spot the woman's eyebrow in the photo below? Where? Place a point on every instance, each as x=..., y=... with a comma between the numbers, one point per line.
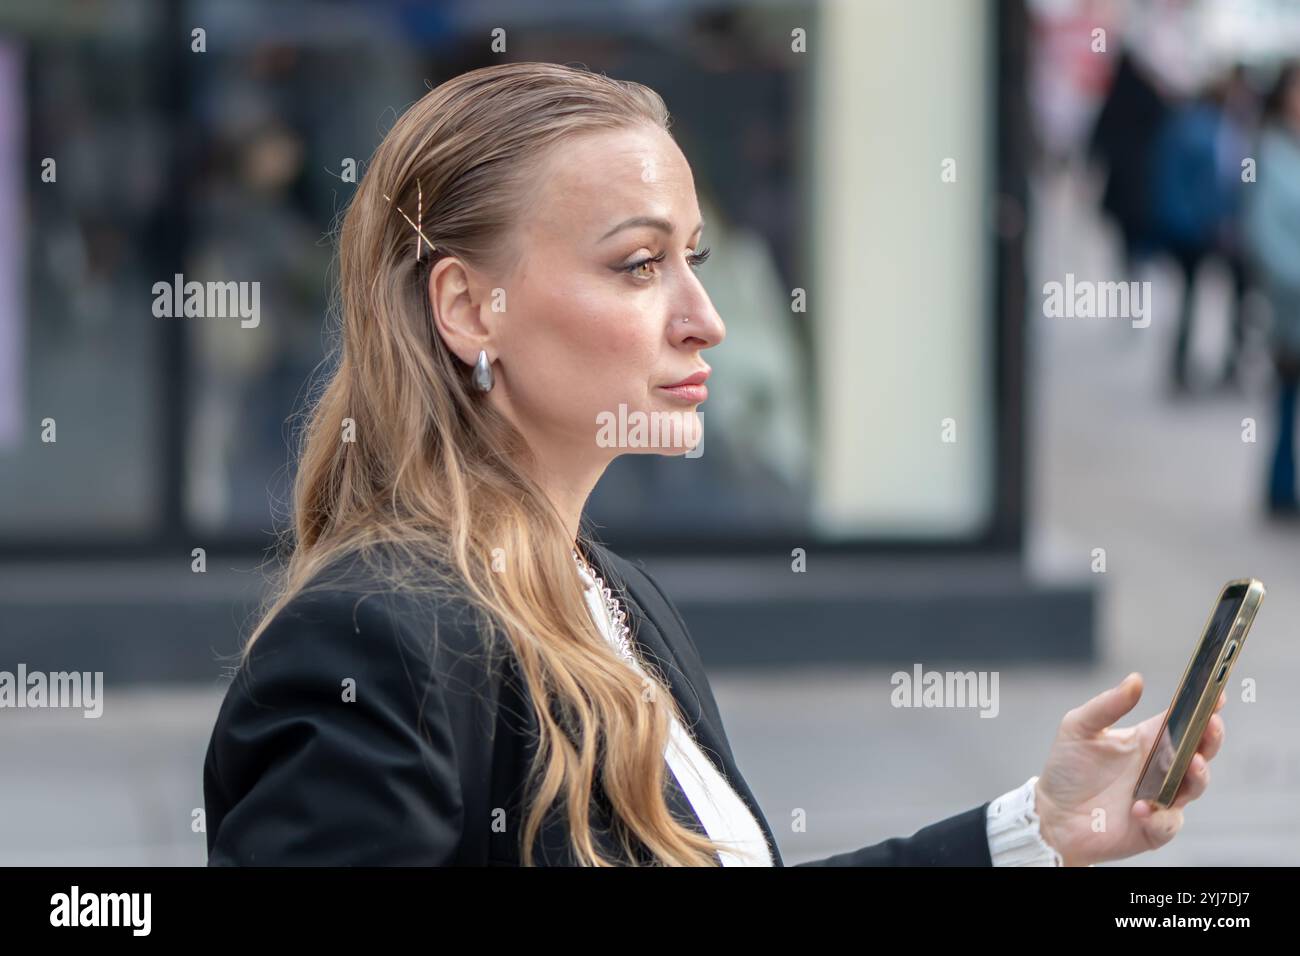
x=654, y=222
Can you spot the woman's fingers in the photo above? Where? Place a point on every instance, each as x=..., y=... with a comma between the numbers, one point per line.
x=1094, y=716
x=1194, y=782
x=1212, y=739
x=1158, y=826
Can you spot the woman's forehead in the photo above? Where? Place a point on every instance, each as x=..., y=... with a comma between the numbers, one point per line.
x=599, y=181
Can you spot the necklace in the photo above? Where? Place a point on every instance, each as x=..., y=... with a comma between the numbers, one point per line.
x=617, y=616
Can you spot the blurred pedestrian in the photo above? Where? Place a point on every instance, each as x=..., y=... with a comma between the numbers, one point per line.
x=1237, y=134
x=1273, y=242
x=1188, y=205
x=1131, y=115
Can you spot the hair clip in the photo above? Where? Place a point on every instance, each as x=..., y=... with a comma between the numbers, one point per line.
x=420, y=237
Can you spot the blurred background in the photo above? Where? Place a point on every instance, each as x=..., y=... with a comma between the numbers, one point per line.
x=976, y=481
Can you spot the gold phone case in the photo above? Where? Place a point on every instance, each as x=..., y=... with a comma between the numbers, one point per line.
x=1229, y=654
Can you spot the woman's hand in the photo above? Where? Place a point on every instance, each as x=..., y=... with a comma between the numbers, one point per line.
x=1093, y=766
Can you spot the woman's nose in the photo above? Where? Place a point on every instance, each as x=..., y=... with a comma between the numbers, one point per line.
x=697, y=323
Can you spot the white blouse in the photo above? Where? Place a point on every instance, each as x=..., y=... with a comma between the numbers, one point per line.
x=1014, y=835
x=725, y=817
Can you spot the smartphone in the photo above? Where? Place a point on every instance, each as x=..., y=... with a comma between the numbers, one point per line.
x=1203, y=681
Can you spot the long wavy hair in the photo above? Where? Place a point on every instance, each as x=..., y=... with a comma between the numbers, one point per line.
x=436, y=473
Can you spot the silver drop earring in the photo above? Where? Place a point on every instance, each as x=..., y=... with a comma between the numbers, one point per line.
x=483, y=372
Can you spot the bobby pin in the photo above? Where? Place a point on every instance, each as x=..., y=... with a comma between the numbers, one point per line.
x=420, y=237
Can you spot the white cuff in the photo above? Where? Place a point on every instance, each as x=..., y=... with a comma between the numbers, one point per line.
x=1015, y=838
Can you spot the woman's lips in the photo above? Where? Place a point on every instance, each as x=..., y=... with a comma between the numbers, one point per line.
x=691, y=394
x=690, y=389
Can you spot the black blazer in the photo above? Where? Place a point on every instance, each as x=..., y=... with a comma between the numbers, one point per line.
x=427, y=764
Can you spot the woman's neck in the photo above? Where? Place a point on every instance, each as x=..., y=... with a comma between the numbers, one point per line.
x=568, y=484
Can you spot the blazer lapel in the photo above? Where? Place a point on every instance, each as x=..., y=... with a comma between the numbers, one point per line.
x=698, y=710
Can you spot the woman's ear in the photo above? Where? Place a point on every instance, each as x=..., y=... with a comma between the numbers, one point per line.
x=461, y=313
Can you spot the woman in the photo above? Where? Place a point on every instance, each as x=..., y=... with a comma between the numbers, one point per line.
x=443, y=677
x=1273, y=241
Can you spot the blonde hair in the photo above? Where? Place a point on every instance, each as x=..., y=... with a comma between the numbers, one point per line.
x=436, y=473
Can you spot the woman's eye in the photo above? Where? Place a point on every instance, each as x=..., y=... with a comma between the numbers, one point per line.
x=641, y=264
x=695, y=259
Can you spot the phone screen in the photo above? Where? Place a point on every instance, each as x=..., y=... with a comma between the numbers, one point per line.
x=1184, y=706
